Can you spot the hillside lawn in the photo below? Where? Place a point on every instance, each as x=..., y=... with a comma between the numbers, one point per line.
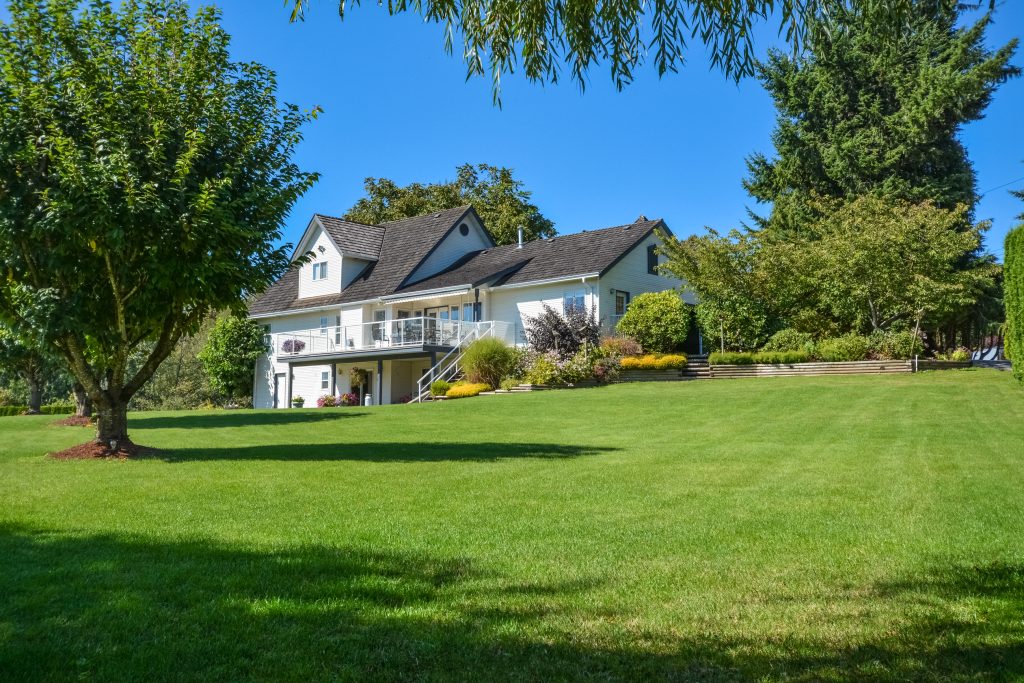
x=843, y=528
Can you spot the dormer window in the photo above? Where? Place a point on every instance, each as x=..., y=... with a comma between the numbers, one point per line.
x=320, y=271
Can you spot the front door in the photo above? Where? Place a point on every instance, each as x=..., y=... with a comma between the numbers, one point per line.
x=278, y=389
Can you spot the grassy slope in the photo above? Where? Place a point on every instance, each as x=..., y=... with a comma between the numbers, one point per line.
x=852, y=527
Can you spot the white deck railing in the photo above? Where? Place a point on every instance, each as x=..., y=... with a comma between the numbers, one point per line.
x=388, y=334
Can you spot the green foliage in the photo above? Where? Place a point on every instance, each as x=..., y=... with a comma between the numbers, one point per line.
x=500, y=199
x=958, y=355
x=509, y=383
x=735, y=285
x=782, y=357
x=789, y=340
x=731, y=358
x=849, y=347
x=660, y=321
x=873, y=107
x=439, y=387
x=1013, y=284
x=230, y=354
x=541, y=38
x=158, y=196
x=298, y=402
x=488, y=361
x=578, y=368
x=896, y=344
x=48, y=409
x=620, y=345
x=180, y=383
x=542, y=369
x=467, y=389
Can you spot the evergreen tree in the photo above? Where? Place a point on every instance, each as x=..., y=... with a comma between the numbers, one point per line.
x=873, y=107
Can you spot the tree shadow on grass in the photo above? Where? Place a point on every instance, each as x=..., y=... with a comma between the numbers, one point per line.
x=238, y=418
x=386, y=451
x=105, y=607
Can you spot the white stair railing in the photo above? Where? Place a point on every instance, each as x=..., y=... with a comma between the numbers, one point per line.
x=450, y=367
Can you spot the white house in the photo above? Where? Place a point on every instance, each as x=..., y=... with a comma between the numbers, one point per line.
x=397, y=300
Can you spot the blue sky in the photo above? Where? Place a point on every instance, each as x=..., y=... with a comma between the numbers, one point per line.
x=397, y=106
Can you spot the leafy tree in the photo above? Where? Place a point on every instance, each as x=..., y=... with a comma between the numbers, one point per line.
x=660, y=321
x=562, y=333
x=493, y=191
x=145, y=180
x=877, y=263
x=180, y=383
x=28, y=362
x=230, y=354
x=727, y=274
x=1013, y=273
x=873, y=107
x=498, y=35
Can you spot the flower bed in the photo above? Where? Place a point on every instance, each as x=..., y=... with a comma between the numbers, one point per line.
x=467, y=390
x=654, y=361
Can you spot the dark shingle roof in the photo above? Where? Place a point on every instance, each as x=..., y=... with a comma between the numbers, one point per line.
x=580, y=253
x=406, y=243
x=354, y=239
x=403, y=246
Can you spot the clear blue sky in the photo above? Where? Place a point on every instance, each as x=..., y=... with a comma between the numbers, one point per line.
x=397, y=106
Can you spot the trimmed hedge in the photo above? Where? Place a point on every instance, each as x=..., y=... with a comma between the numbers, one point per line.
x=849, y=347
x=467, y=390
x=44, y=410
x=1013, y=298
x=654, y=361
x=762, y=357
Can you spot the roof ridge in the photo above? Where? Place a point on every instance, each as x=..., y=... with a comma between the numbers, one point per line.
x=348, y=220
x=428, y=214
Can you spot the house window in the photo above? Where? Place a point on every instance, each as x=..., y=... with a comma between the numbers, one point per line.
x=325, y=379
x=652, y=259
x=320, y=271
x=574, y=300
x=621, y=302
x=467, y=313
x=323, y=324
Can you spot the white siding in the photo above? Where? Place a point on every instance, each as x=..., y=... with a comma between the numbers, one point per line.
x=452, y=248
x=515, y=305
x=309, y=287
x=351, y=268
x=630, y=275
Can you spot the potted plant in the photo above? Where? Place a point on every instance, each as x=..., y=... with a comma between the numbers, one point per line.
x=298, y=402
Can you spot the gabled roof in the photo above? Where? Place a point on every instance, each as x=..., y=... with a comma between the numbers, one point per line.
x=581, y=253
x=405, y=244
x=354, y=239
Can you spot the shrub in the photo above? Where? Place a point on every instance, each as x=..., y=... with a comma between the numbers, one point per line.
x=7, y=397
x=542, y=369
x=958, y=355
x=488, y=360
x=326, y=401
x=349, y=399
x=565, y=334
x=893, y=345
x=731, y=358
x=605, y=370
x=781, y=357
x=788, y=340
x=660, y=321
x=1013, y=299
x=576, y=369
x=654, y=361
x=6, y=411
x=849, y=347
x=439, y=387
x=620, y=346
x=467, y=390
x=509, y=383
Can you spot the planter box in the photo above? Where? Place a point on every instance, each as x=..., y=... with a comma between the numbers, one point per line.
x=651, y=375
x=864, y=367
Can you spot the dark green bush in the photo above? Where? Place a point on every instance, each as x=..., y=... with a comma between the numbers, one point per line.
x=781, y=357
x=789, y=340
x=849, y=347
x=660, y=321
x=1013, y=298
x=56, y=409
x=895, y=345
x=488, y=361
x=731, y=358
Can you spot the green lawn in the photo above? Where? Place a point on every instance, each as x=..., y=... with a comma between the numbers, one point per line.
x=867, y=528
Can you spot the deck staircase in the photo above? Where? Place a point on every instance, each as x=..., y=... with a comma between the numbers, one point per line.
x=697, y=367
x=449, y=368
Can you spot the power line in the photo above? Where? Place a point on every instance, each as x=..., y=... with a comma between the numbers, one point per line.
x=997, y=187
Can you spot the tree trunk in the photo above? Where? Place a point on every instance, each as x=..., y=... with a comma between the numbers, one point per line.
x=112, y=423
x=83, y=404
x=35, y=396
